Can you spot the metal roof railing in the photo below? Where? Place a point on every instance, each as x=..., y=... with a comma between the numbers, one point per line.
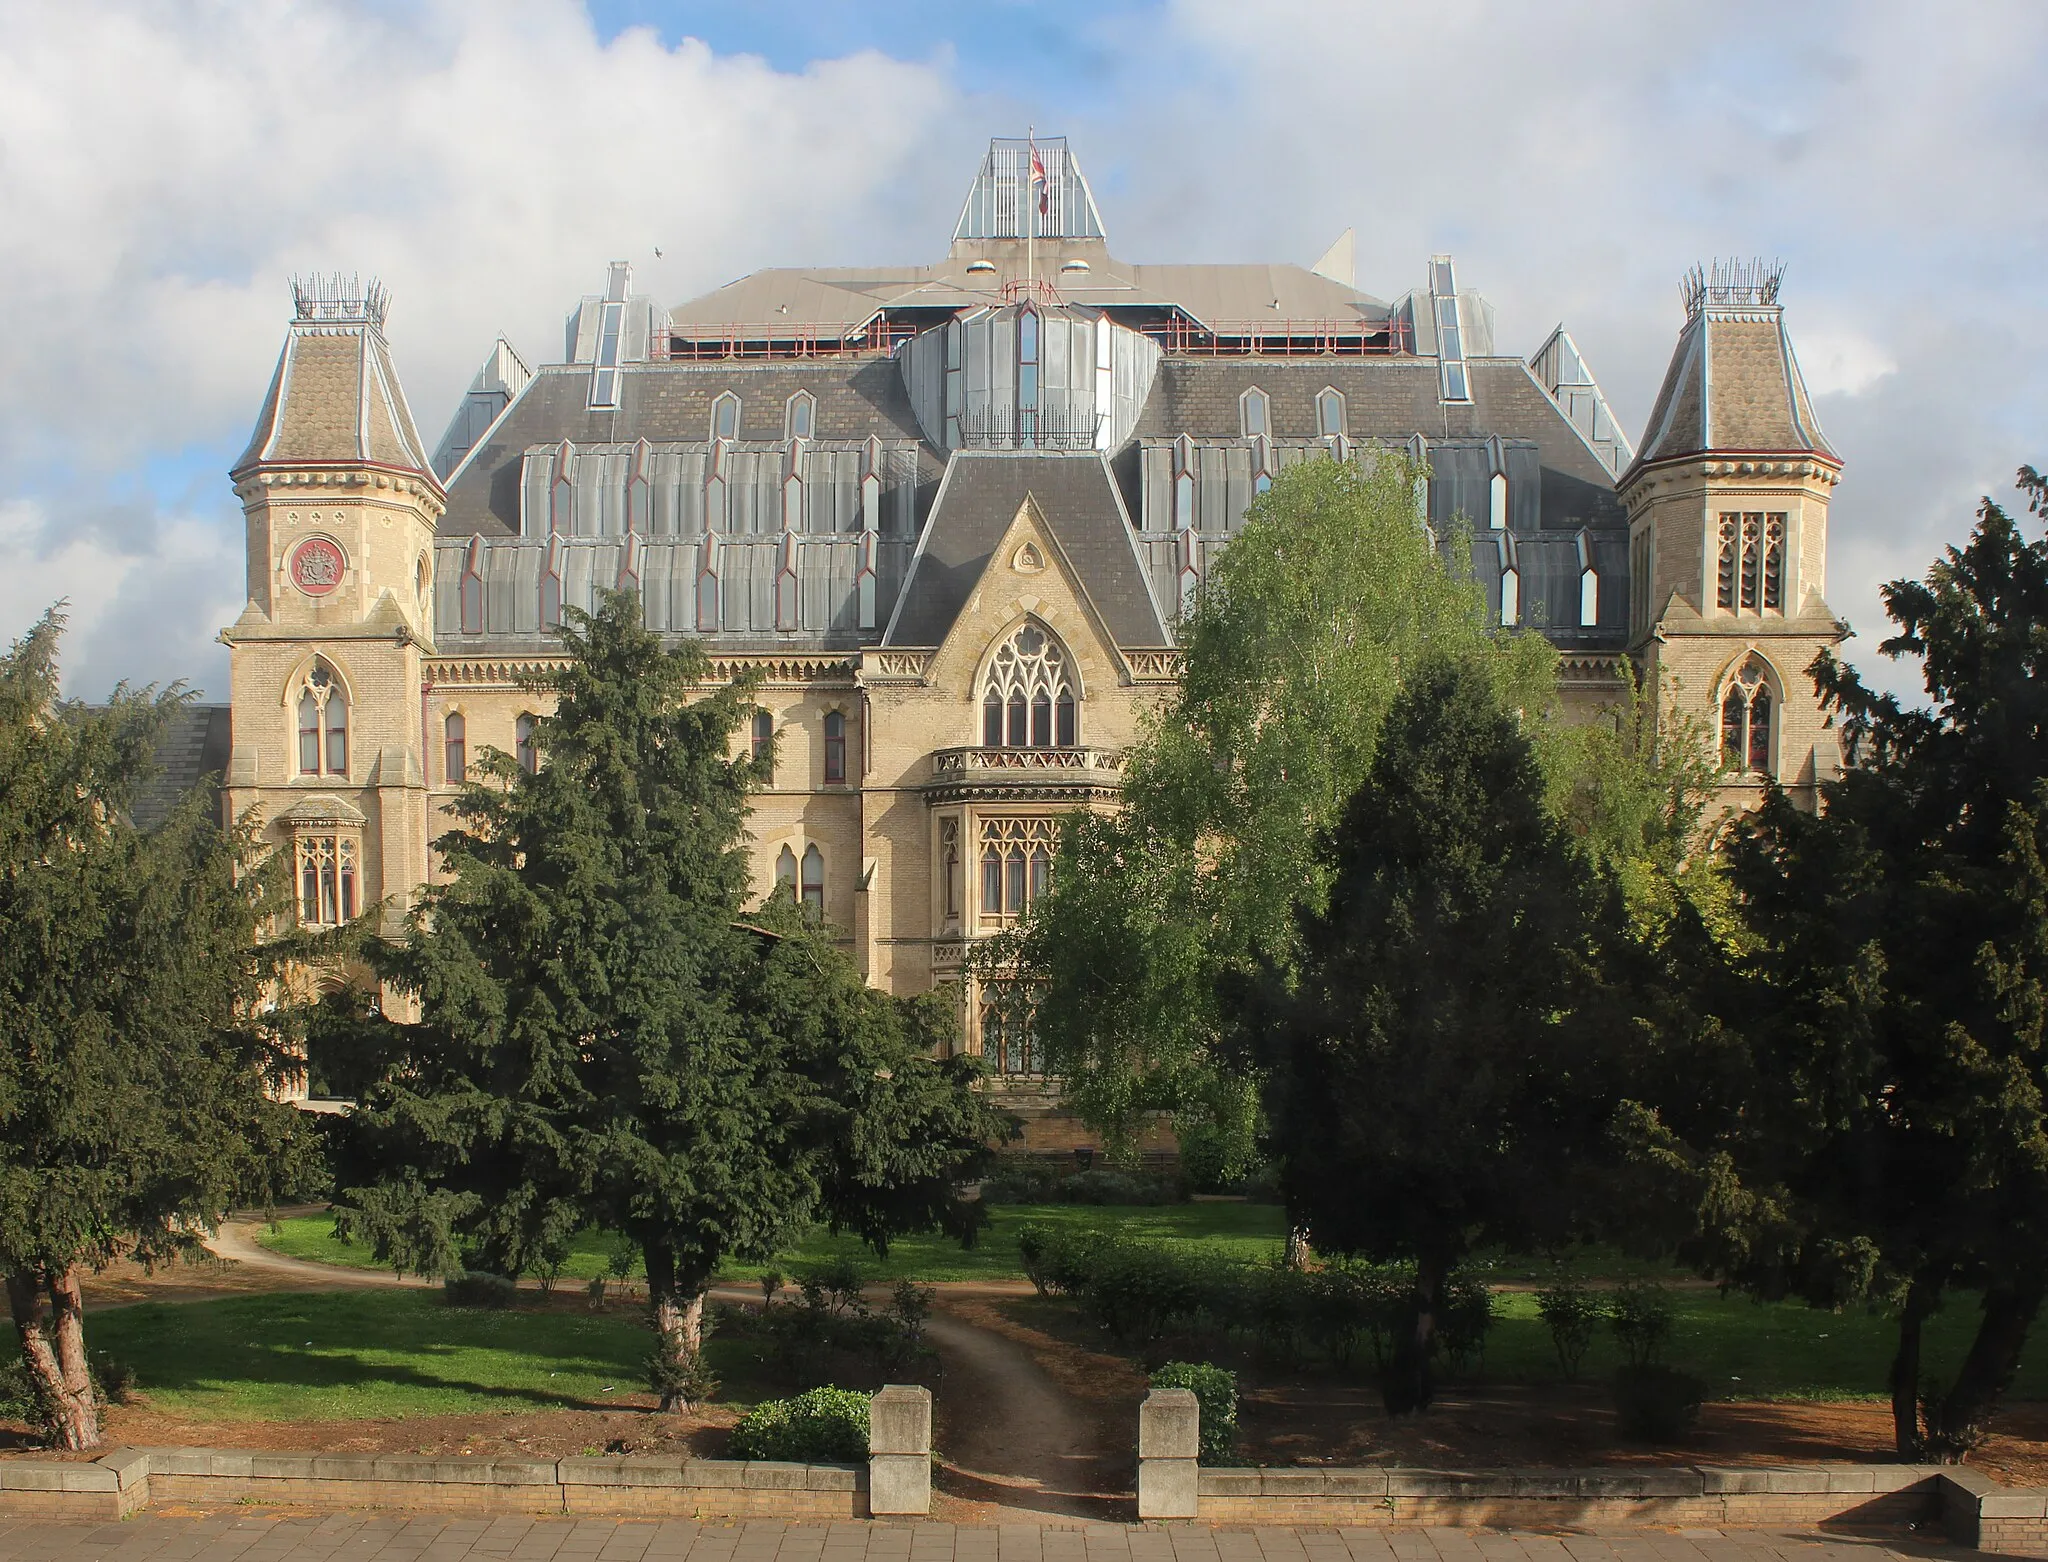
x=879, y=338
x=1354, y=338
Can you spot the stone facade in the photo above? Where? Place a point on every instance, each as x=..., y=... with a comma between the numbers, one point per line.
x=950, y=516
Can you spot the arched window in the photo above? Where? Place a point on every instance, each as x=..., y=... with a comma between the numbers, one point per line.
x=1255, y=414
x=799, y=416
x=949, y=869
x=1746, y=719
x=1751, y=573
x=1029, y=700
x=1016, y=865
x=525, y=746
x=455, y=749
x=1329, y=412
x=764, y=746
x=327, y=879
x=785, y=874
x=322, y=711
x=725, y=416
x=813, y=884
x=309, y=734
x=835, y=747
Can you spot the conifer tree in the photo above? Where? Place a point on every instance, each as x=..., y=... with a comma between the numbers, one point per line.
x=1864, y=1117
x=133, y=1070
x=1441, y=1060
x=605, y=1036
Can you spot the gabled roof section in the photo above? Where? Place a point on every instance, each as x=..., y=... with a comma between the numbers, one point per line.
x=1734, y=383
x=980, y=497
x=335, y=398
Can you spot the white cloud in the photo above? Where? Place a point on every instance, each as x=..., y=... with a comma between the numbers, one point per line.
x=1844, y=363
x=165, y=166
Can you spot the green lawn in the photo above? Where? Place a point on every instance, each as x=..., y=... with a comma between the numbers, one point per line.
x=1750, y=1350
x=1242, y=1230
x=379, y=1353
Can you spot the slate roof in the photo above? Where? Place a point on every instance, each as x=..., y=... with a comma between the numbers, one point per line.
x=1733, y=386
x=336, y=398
x=977, y=501
x=670, y=402
x=1391, y=400
x=192, y=751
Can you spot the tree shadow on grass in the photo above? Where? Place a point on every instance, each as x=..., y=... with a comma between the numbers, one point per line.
x=394, y=1341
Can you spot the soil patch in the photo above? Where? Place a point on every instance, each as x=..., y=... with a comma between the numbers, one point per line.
x=632, y=1428
x=1324, y=1418
x=1027, y=1424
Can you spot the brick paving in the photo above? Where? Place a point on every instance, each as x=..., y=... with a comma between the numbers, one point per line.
x=386, y=1537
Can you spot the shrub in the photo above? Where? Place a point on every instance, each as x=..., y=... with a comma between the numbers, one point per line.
x=475, y=1288
x=114, y=1378
x=1571, y=1313
x=20, y=1397
x=824, y=1425
x=1467, y=1318
x=1640, y=1314
x=1215, y=1391
x=1654, y=1403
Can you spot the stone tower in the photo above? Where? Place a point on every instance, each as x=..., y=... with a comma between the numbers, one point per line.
x=1728, y=527
x=326, y=657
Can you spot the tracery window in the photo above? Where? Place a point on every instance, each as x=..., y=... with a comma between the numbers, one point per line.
x=1009, y=1036
x=1016, y=864
x=812, y=884
x=1751, y=577
x=323, y=724
x=835, y=747
x=455, y=749
x=525, y=746
x=1746, y=719
x=327, y=879
x=950, y=870
x=1028, y=699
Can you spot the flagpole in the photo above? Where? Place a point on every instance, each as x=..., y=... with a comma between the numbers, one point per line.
x=1031, y=207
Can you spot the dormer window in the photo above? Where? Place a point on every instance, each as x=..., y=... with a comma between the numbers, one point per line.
x=1329, y=413
x=799, y=416
x=323, y=724
x=725, y=416
x=1255, y=414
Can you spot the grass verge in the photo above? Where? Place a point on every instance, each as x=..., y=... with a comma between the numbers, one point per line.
x=1251, y=1231
x=318, y=1356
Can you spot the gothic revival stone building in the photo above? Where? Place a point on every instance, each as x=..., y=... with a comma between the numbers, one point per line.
x=951, y=513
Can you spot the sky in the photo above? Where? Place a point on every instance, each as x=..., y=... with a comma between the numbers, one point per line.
x=167, y=165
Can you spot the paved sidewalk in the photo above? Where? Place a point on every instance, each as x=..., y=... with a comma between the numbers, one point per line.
x=346, y=1537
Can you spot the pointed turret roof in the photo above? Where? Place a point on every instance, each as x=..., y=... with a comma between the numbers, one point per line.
x=335, y=398
x=1734, y=385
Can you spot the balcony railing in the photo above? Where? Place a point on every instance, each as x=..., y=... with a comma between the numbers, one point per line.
x=953, y=763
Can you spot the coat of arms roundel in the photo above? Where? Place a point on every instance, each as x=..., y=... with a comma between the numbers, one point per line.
x=317, y=566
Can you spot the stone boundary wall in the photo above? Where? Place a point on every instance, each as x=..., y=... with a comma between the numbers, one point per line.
x=1689, y=1496
x=131, y=1479
x=1970, y=1508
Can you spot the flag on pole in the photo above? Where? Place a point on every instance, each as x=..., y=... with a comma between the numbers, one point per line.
x=1039, y=182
